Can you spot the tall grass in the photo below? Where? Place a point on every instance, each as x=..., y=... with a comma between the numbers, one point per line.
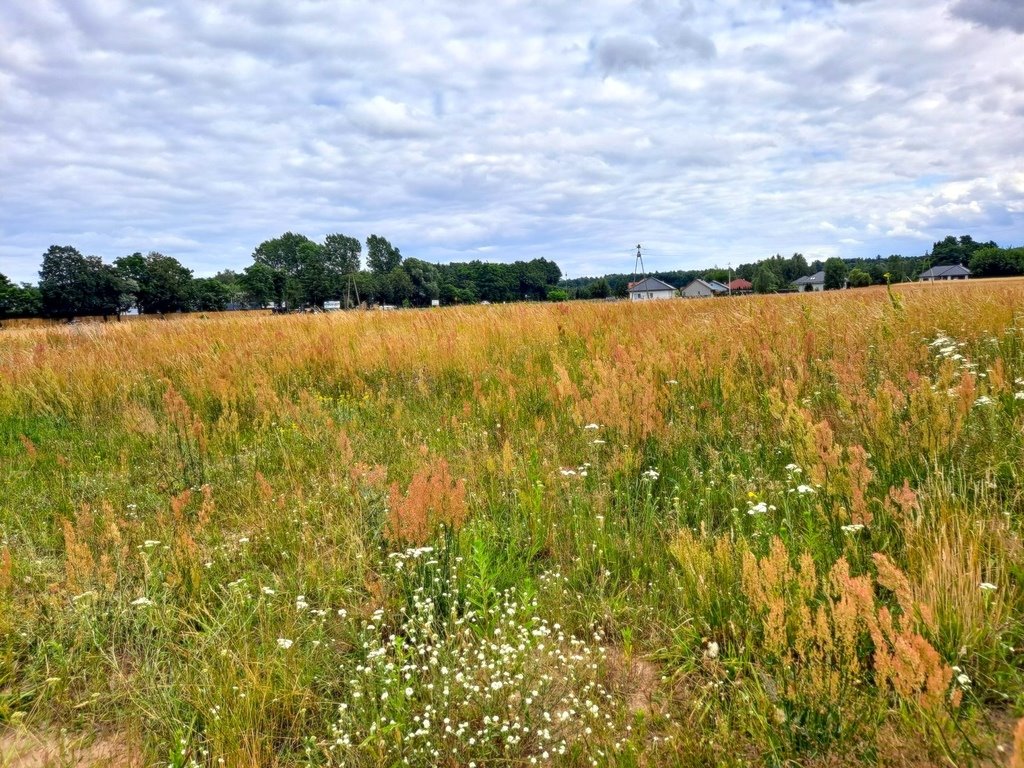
x=757, y=530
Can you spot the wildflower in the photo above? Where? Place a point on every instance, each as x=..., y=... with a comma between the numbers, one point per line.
x=568, y=472
x=150, y=543
x=853, y=528
x=268, y=591
x=983, y=400
x=142, y=602
x=712, y=650
x=987, y=586
x=300, y=603
x=243, y=540
x=757, y=509
x=793, y=469
x=963, y=680
x=591, y=426
x=803, y=489
x=651, y=474
x=673, y=382
x=285, y=643
x=409, y=691
x=1018, y=395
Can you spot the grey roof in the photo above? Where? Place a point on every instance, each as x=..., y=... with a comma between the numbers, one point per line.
x=815, y=279
x=711, y=285
x=650, y=284
x=946, y=270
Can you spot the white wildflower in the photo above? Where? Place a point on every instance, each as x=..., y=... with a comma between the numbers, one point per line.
x=651, y=474
x=987, y=586
x=142, y=602
x=285, y=643
x=712, y=650
x=853, y=528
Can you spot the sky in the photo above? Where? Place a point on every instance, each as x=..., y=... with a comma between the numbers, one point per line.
x=712, y=132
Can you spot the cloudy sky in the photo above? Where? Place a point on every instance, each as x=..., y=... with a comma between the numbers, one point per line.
x=711, y=131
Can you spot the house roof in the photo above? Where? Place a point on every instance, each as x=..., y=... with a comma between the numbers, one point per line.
x=739, y=284
x=650, y=284
x=712, y=285
x=946, y=270
x=818, y=278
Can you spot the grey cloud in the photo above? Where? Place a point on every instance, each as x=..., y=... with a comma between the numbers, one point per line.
x=996, y=14
x=619, y=53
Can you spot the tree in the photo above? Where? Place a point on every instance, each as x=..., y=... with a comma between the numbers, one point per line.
x=557, y=294
x=599, y=289
x=210, y=294
x=314, y=281
x=283, y=256
x=257, y=282
x=381, y=256
x=163, y=283
x=395, y=287
x=64, y=281
x=951, y=250
x=835, y=274
x=341, y=254
x=858, y=278
x=425, y=281
x=18, y=301
x=73, y=285
x=997, y=262
x=764, y=280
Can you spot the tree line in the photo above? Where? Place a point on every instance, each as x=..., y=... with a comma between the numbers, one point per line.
x=288, y=272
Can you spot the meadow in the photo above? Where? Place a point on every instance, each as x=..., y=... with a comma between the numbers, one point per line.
x=780, y=530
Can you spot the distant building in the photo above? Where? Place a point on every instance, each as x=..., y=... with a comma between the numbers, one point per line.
x=946, y=272
x=815, y=282
x=651, y=288
x=739, y=285
x=703, y=288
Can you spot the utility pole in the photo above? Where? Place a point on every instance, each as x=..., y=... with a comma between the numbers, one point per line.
x=639, y=262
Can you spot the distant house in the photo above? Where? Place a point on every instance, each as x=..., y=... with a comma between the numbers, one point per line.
x=739, y=285
x=702, y=288
x=651, y=288
x=815, y=282
x=946, y=272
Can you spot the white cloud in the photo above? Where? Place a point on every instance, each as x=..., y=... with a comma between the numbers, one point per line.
x=713, y=131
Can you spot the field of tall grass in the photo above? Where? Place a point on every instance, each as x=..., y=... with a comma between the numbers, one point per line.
x=762, y=530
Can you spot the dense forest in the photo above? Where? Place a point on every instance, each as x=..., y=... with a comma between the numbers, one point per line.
x=293, y=272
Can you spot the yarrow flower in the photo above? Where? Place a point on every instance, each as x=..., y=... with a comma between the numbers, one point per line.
x=984, y=400
x=651, y=474
x=757, y=509
x=142, y=602
x=988, y=586
x=285, y=643
x=853, y=528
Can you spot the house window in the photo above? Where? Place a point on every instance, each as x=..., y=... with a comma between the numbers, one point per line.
x=650, y=295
